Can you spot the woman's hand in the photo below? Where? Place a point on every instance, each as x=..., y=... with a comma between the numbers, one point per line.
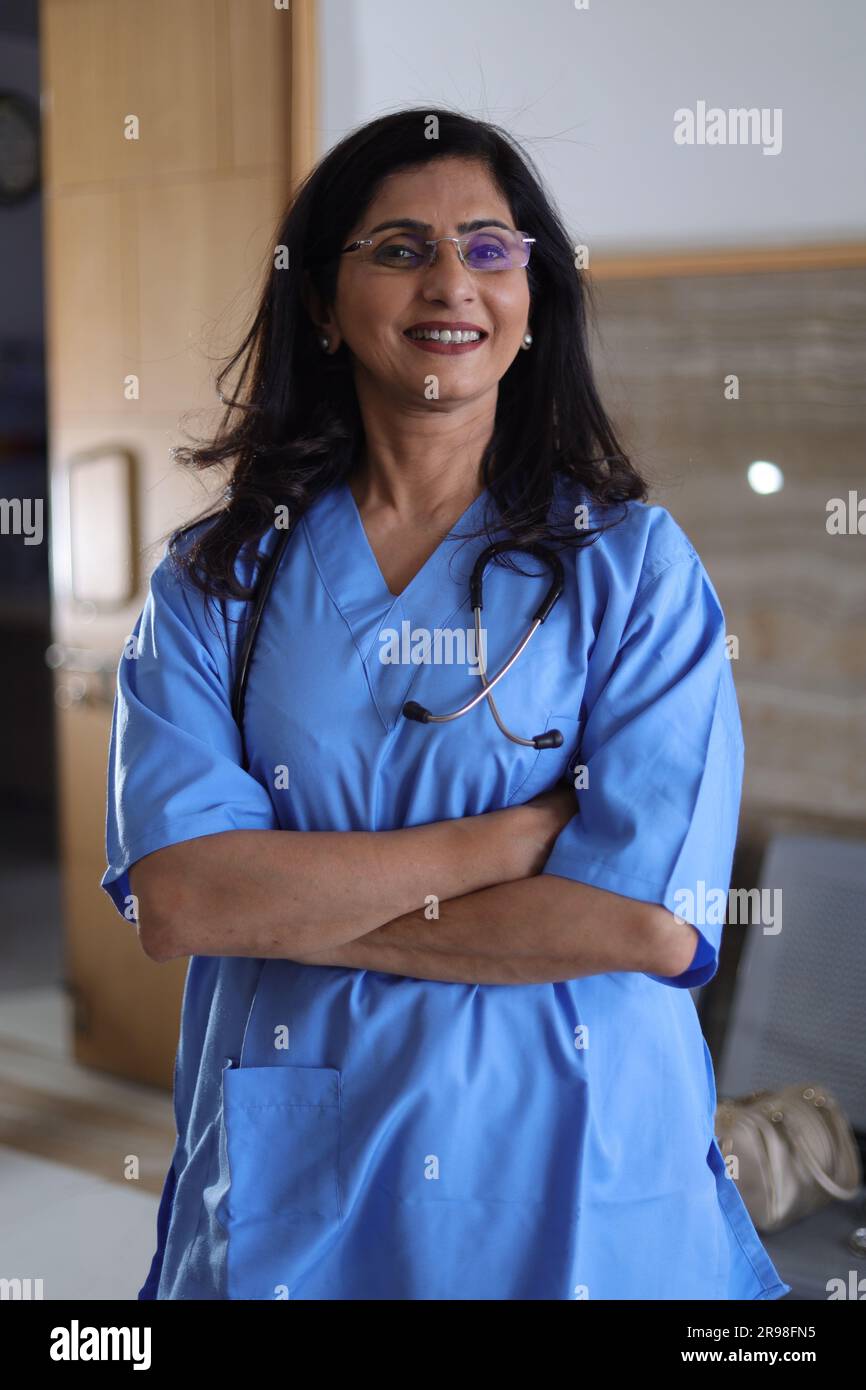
x=526, y=834
x=551, y=811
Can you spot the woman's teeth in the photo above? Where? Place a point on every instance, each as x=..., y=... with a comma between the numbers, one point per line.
x=445, y=335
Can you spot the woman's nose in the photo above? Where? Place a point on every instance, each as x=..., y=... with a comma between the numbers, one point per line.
x=447, y=276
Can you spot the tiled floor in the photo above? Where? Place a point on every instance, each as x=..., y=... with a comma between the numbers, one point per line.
x=69, y=1215
x=83, y=1237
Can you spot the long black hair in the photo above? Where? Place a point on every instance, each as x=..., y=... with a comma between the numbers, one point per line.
x=292, y=427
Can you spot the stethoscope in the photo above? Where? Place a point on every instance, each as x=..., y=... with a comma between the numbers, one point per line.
x=551, y=738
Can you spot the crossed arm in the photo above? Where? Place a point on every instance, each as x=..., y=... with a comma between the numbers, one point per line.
x=357, y=899
x=535, y=931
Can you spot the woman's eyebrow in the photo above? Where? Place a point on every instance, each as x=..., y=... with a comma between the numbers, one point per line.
x=410, y=224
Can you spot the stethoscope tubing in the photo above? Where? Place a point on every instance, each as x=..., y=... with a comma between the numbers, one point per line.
x=488, y=685
x=262, y=593
x=552, y=738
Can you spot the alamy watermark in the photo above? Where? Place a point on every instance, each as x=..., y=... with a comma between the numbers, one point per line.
x=739, y=126
x=846, y=517
x=77, y=1343
x=441, y=646
x=22, y=516
x=21, y=1290
x=739, y=906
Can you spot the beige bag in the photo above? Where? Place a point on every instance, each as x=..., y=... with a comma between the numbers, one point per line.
x=796, y=1152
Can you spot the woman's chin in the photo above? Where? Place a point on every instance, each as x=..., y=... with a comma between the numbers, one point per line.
x=452, y=392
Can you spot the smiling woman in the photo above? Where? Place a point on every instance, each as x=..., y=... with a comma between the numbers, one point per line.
x=330, y=340
x=392, y=277
x=404, y=936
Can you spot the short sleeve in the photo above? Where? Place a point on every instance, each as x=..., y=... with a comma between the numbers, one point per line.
x=174, y=762
x=663, y=756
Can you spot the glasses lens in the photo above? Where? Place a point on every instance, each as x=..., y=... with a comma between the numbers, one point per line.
x=492, y=248
x=495, y=248
x=400, y=250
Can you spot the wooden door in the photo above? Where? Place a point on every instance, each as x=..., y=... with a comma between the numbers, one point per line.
x=154, y=250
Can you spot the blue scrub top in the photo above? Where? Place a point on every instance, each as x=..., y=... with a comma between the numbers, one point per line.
x=421, y=1139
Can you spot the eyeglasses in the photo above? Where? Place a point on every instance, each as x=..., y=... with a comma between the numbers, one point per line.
x=490, y=249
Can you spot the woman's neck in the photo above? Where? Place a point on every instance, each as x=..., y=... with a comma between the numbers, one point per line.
x=419, y=463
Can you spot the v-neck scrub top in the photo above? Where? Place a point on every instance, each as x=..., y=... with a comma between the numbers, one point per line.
x=349, y=1134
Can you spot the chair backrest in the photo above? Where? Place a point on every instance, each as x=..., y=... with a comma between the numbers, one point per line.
x=799, y=1004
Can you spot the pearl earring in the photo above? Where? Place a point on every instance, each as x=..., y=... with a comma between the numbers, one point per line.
x=326, y=343
x=527, y=342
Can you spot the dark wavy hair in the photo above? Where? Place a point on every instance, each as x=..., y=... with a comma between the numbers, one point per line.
x=292, y=427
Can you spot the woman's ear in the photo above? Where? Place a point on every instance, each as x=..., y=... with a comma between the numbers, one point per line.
x=321, y=316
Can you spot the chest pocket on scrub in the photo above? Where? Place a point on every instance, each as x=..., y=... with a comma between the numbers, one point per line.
x=549, y=765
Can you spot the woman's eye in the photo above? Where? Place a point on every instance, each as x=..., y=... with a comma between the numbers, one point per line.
x=396, y=254
x=488, y=251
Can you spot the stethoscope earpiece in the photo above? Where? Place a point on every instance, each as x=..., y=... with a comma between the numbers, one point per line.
x=412, y=710
x=551, y=738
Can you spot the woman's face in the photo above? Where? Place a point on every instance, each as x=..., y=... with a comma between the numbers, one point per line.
x=376, y=304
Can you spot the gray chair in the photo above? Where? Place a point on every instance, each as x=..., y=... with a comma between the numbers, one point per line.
x=799, y=1014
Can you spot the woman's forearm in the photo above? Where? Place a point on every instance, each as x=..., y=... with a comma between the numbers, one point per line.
x=276, y=893
x=536, y=931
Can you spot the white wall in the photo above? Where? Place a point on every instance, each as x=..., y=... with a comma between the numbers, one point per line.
x=592, y=94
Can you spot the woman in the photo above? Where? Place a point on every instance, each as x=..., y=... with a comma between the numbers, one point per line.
x=437, y=1040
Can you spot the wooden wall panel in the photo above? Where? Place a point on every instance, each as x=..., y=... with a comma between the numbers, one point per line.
x=208, y=81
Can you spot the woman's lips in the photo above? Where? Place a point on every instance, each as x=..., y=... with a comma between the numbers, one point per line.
x=444, y=349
